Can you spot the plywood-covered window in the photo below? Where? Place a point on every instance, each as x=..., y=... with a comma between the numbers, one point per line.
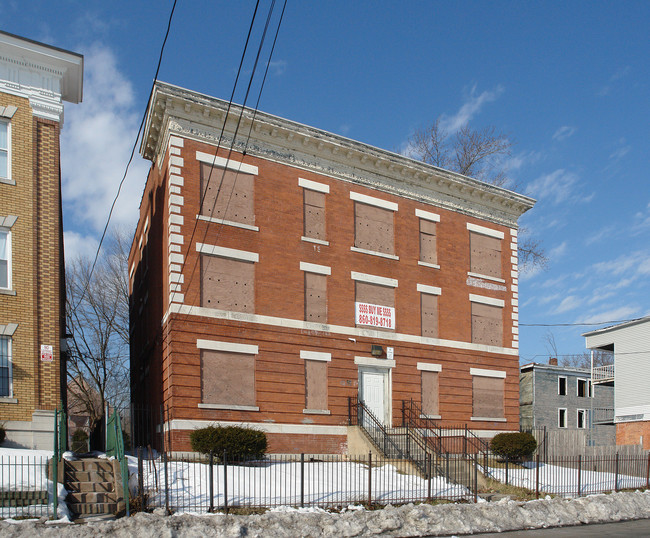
x=487, y=397
x=430, y=392
x=228, y=195
x=314, y=214
x=375, y=294
x=428, y=252
x=315, y=385
x=227, y=284
x=227, y=378
x=485, y=255
x=487, y=324
x=429, y=315
x=373, y=228
x=315, y=297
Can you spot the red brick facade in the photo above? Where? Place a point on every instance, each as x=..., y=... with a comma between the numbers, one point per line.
x=170, y=327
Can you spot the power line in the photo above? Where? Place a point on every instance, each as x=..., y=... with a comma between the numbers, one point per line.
x=135, y=145
x=580, y=324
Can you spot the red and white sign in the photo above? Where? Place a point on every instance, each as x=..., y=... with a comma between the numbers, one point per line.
x=374, y=315
x=47, y=354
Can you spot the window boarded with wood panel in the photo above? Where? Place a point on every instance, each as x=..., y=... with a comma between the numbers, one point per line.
x=429, y=315
x=428, y=251
x=227, y=378
x=373, y=228
x=430, y=391
x=487, y=397
x=485, y=255
x=315, y=298
x=229, y=195
x=227, y=284
x=316, y=385
x=375, y=294
x=314, y=214
x=487, y=324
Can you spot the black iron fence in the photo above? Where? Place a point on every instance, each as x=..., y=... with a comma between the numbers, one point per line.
x=25, y=489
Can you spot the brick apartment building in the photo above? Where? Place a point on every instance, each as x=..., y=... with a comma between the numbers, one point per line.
x=35, y=79
x=271, y=284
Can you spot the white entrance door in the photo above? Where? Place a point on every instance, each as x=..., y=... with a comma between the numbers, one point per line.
x=372, y=391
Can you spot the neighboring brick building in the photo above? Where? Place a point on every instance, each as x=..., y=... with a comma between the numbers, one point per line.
x=562, y=398
x=629, y=374
x=316, y=268
x=35, y=79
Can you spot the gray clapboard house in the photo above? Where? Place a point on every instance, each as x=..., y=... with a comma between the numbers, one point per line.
x=561, y=398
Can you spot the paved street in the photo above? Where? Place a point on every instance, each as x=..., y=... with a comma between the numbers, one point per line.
x=640, y=527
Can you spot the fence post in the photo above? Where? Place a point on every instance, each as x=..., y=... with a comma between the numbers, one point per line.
x=465, y=442
x=537, y=478
x=211, y=485
x=302, y=479
x=403, y=412
x=55, y=464
x=429, y=472
x=545, y=446
x=140, y=474
x=647, y=473
x=369, y=479
x=447, y=466
x=475, y=478
x=506, y=470
x=579, y=473
x=616, y=474
x=408, y=442
x=166, y=482
x=225, y=482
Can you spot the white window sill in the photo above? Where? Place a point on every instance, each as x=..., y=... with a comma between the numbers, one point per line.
x=316, y=412
x=228, y=407
x=487, y=419
x=8, y=400
x=374, y=253
x=228, y=223
x=427, y=264
x=485, y=277
x=433, y=417
x=7, y=181
x=317, y=241
x=7, y=292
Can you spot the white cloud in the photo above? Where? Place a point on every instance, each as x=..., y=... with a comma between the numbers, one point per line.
x=278, y=67
x=618, y=75
x=600, y=297
x=471, y=107
x=570, y=302
x=599, y=235
x=558, y=186
x=96, y=143
x=563, y=133
x=614, y=315
x=558, y=251
x=79, y=246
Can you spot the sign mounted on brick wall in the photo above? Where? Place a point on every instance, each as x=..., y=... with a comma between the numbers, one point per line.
x=374, y=315
x=47, y=354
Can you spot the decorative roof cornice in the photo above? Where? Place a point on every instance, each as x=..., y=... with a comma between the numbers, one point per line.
x=175, y=110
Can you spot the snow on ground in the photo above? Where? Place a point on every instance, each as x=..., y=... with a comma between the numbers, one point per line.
x=565, y=480
x=26, y=470
x=407, y=520
x=279, y=483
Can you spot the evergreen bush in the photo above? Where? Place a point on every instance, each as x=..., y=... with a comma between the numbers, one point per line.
x=514, y=446
x=238, y=442
x=3, y=434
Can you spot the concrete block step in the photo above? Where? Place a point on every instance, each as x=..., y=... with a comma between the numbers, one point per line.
x=82, y=487
x=88, y=476
x=95, y=508
x=90, y=464
x=91, y=497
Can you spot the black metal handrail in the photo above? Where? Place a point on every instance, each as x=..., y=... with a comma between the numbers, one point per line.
x=360, y=415
x=414, y=419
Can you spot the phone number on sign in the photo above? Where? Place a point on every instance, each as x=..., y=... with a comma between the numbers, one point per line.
x=375, y=321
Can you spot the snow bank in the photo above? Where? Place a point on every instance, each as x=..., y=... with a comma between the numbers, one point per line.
x=408, y=520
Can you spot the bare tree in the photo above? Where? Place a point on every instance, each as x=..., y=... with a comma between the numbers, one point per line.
x=549, y=343
x=477, y=153
x=583, y=360
x=97, y=317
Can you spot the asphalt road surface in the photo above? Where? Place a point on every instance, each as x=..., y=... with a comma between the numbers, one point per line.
x=639, y=527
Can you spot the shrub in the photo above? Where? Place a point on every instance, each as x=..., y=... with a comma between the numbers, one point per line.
x=80, y=441
x=3, y=434
x=514, y=446
x=238, y=442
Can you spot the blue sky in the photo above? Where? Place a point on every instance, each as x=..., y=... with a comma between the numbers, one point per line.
x=566, y=80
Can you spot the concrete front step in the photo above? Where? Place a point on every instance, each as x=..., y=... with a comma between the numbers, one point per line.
x=88, y=476
x=93, y=497
x=94, y=508
x=91, y=464
x=82, y=487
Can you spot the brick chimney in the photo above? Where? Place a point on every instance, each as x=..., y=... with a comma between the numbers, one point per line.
x=552, y=361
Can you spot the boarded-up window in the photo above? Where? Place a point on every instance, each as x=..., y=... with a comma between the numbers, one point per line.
x=487, y=324
x=485, y=255
x=228, y=195
x=315, y=385
x=487, y=397
x=429, y=315
x=430, y=392
x=428, y=241
x=375, y=294
x=373, y=228
x=227, y=284
x=315, y=298
x=227, y=378
x=314, y=211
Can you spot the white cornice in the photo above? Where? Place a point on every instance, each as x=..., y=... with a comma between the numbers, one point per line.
x=174, y=110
